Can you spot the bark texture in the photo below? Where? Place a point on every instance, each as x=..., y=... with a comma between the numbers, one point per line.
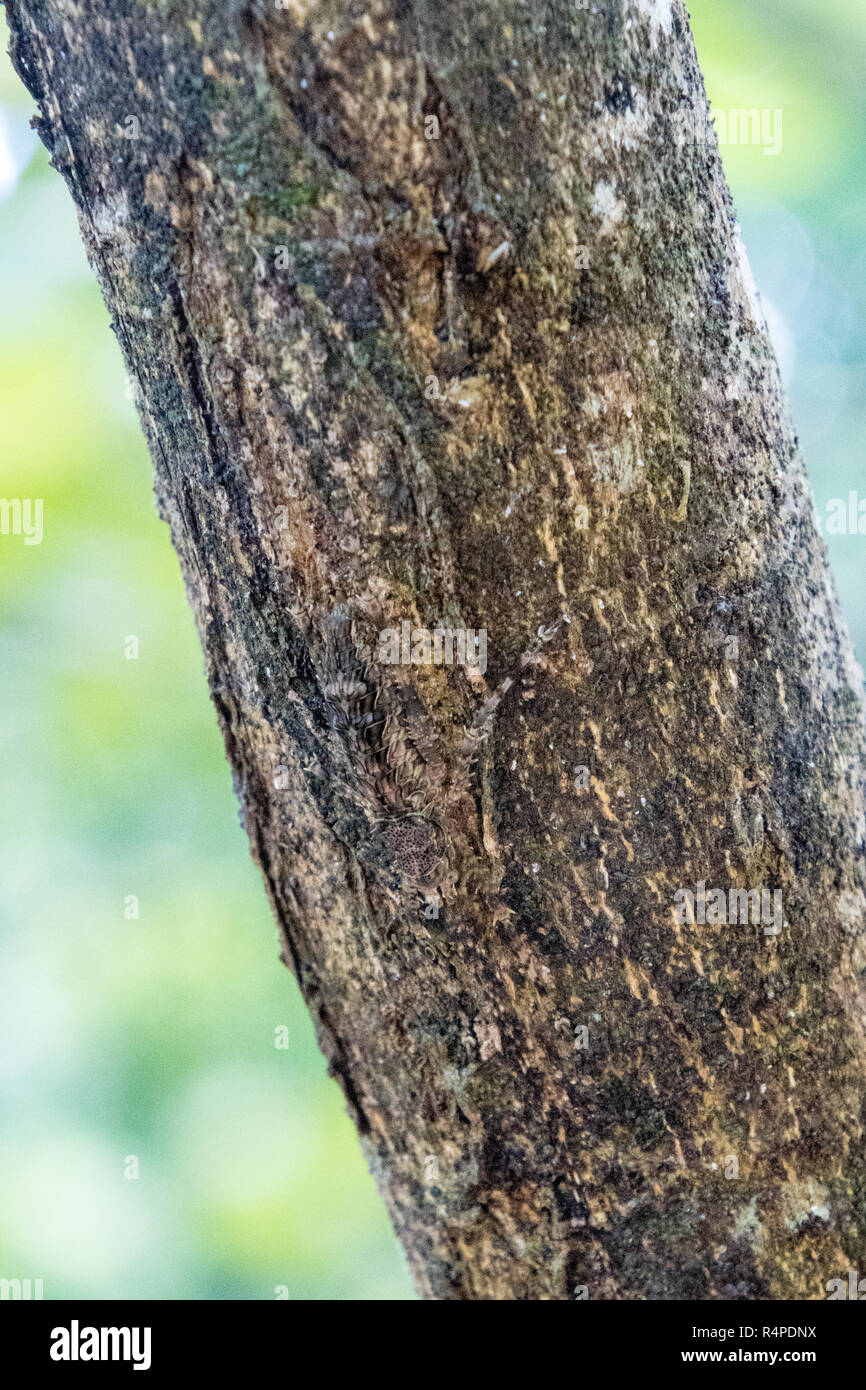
x=435, y=317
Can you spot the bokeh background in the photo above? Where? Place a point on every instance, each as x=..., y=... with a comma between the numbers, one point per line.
x=153, y=1038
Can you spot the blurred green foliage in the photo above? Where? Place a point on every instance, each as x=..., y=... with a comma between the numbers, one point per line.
x=802, y=214
x=155, y=1037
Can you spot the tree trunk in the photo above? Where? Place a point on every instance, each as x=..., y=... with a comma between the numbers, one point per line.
x=439, y=316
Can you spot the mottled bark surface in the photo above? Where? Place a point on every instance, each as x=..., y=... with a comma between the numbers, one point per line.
x=500, y=370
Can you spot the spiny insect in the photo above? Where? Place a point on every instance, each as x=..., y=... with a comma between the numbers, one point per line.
x=392, y=776
x=399, y=790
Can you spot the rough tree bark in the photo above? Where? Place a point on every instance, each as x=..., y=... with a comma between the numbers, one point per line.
x=436, y=317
